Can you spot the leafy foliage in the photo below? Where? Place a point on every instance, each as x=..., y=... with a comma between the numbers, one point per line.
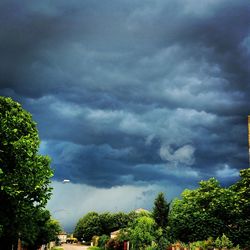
x=240, y=226
x=160, y=211
x=201, y=215
x=142, y=232
x=114, y=244
x=88, y=226
x=223, y=242
x=98, y=224
x=160, y=215
x=44, y=229
x=103, y=240
x=211, y=211
x=24, y=176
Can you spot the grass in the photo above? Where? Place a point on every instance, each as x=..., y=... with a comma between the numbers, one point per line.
x=94, y=248
x=57, y=248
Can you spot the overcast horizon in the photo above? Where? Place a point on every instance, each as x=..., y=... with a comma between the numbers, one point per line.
x=131, y=98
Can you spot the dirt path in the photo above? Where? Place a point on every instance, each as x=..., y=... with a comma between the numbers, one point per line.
x=74, y=247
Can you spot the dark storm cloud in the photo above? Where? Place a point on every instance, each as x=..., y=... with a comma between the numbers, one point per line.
x=132, y=92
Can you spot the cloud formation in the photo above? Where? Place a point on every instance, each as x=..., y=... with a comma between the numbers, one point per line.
x=134, y=93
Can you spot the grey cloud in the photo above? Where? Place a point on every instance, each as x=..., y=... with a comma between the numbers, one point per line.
x=115, y=86
x=183, y=155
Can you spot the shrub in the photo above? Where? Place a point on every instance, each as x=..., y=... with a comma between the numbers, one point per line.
x=196, y=244
x=103, y=240
x=223, y=242
x=113, y=244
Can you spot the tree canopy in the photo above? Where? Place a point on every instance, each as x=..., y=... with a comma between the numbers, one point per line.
x=160, y=211
x=142, y=232
x=24, y=173
x=210, y=215
x=211, y=210
x=93, y=224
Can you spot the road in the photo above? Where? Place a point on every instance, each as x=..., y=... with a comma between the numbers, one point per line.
x=74, y=247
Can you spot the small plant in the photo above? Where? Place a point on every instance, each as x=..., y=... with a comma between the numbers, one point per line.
x=223, y=242
x=184, y=245
x=236, y=248
x=209, y=243
x=197, y=244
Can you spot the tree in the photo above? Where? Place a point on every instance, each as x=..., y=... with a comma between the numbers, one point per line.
x=160, y=215
x=160, y=211
x=120, y=220
x=211, y=210
x=240, y=227
x=142, y=232
x=203, y=212
x=24, y=174
x=98, y=224
x=88, y=226
x=44, y=228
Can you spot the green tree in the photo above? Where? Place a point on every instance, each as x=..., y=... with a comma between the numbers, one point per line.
x=160, y=211
x=240, y=226
x=98, y=224
x=88, y=226
x=160, y=215
x=142, y=233
x=24, y=174
x=120, y=220
x=44, y=228
x=202, y=212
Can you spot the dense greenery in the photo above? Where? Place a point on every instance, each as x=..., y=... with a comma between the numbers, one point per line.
x=24, y=173
x=160, y=216
x=209, y=216
x=41, y=230
x=142, y=232
x=160, y=211
x=211, y=210
x=98, y=224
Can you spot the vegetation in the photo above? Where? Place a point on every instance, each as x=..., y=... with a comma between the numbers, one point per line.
x=95, y=248
x=210, y=216
x=142, y=232
x=57, y=248
x=160, y=211
x=211, y=211
x=24, y=175
x=98, y=224
x=42, y=229
x=160, y=216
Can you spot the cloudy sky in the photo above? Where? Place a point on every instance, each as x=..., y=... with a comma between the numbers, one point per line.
x=131, y=97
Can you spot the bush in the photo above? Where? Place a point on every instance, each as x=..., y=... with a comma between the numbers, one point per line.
x=103, y=240
x=114, y=244
x=196, y=244
x=209, y=244
x=223, y=242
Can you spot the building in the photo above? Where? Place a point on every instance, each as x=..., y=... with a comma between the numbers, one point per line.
x=62, y=236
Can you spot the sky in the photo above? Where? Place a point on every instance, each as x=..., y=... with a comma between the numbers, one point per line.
x=132, y=97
